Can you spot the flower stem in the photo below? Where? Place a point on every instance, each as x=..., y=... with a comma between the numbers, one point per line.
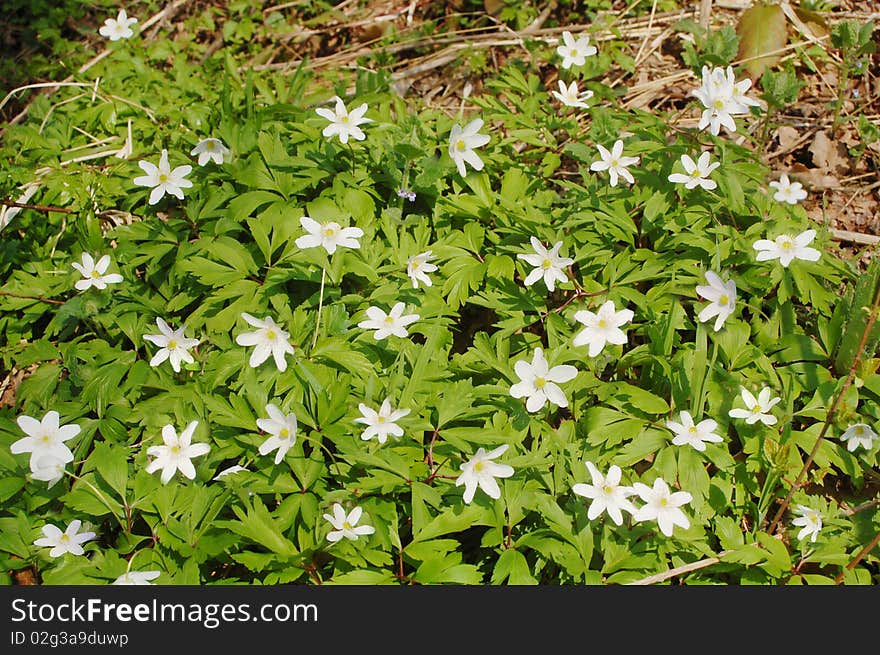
x=320, y=305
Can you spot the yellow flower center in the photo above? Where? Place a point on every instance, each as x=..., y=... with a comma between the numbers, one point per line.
x=329, y=232
x=574, y=52
x=460, y=145
x=346, y=525
x=270, y=335
x=389, y=320
x=343, y=119
x=65, y=538
x=786, y=245
x=860, y=431
x=719, y=104
x=46, y=438
x=380, y=419
x=664, y=502
x=479, y=466
x=615, y=163
x=723, y=300
x=692, y=429
x=540, y=383
x=95, y=274
x=756, y=409
x=175, y=449
x=172, y=344
x=546, y=264
x=284, y=433
x=602, y=323
x=209, y=145
x=163, y=177
x=607, y=489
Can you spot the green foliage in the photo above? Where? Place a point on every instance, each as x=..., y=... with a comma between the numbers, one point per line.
x=229, y=248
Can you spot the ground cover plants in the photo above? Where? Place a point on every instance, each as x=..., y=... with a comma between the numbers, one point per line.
x=271, y=325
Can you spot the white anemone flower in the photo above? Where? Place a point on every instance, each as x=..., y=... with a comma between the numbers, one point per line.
x=602, y=327
x=756, y=409
x=176, y=453
x=418, y=267
x=173, y=346
x=267, y=339
x=662, y=506
x=788, y=191
x=571, y=96
x=281, y=429
x=69, y=541
x=331, y=235
x=607, y=493
x=480, y=471
x=94, y=273
x=574, y=52
x=210, y=150
x=344, y=123
x=119, y=27
x=548, y=264
x=45, y=438
x=859, y=434
x=722, y=299
x=462, y=141
x=381, y=423
x=696, y=173
x=394, y=322
x=809, y=520
x=614, y=162
x=136, y=578
x=696, y=435
x=539, y=382
x=163, y=179
x=346, y=525
x=786, y=248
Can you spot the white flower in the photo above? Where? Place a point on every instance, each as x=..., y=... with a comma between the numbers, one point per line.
x=695, y=435
x=69, y=541
x=614, y=162
x=716, y=94
x=268, y=339
x=95, y=273
x=177, y=452
x=757, y=409
x=857, y=435
x=282, y=430
x=570, y=96
x=119, y=27
x=539, y=383
x=163, y=179
x=344, y=123
x=48, y=468
x=462, y=142
x=788, y=191
x=809, y=520
x=481, y=471
x=548, y=264
x=785, y=248
x=331, y=235
x=346, y=524
x=210, y=149
x=382, y=423
x=662, y=506
x=394, y=322
x=574, y=51
x=236, y=468
x=722, y=299
x=137, y=578
x=739, y=101
x=602, y=327
x=607, y=493
x=696, y=173
x=44, y=438
x=173, y=346
x=418, y=267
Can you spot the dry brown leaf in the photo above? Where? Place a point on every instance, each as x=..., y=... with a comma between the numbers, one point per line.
x=787, y=136
x=829, y=155
x=816, y=179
